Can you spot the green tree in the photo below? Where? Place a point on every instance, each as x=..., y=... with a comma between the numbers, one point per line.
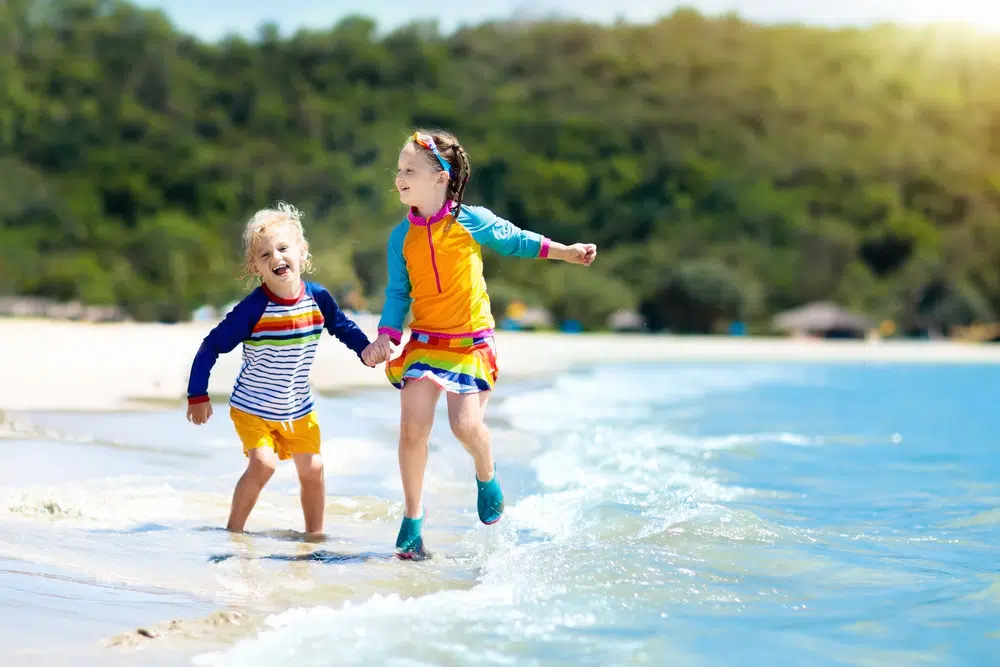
x=725, y=169
x=698, y=297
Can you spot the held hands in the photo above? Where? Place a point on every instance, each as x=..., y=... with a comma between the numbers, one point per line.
x=378, y=351
x=199, y=413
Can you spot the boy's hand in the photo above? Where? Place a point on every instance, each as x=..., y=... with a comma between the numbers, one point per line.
x=370, y=356
x=199, y=412
x=579, y=253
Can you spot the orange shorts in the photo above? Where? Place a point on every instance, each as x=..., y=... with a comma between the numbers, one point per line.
x=298, y=436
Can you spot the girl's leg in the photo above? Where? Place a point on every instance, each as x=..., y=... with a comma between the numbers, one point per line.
x=261, y=465
x=466, y=413
x=418, y=400
x=312, y=490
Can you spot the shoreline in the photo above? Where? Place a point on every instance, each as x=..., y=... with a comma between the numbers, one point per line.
x=71, y=366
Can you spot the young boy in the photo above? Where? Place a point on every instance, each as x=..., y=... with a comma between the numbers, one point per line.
x=280, y=324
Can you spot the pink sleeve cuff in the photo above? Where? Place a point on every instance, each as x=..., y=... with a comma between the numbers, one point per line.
x=544, y=252
x=395, y=335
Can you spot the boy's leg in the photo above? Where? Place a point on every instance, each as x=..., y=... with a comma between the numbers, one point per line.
x=466, y=413
x=261, y=465
x=301, y=440
x=312, y=490
x=418, y=400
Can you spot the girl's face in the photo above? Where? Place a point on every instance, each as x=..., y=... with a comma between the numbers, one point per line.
x=278, y=258
x=420, y=184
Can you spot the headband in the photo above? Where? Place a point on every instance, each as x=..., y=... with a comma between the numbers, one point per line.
x=426, y=141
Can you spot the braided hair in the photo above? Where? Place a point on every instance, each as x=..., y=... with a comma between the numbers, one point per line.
x=461, y=169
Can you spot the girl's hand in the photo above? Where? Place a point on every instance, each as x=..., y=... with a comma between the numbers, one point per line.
x=579, y=253
x=199, y=412
x=385, y=344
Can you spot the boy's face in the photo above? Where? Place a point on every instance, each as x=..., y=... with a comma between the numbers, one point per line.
x=418, y=182
x=278, y=258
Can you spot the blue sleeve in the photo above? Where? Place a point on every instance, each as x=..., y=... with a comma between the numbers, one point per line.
x=397, y=291
x=503, y=236
x=336, y=322
x=234, y=328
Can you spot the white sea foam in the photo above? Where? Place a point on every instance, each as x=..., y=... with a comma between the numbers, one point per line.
x=602, y=487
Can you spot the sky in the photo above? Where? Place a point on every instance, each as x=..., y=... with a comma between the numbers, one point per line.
x=211, y=19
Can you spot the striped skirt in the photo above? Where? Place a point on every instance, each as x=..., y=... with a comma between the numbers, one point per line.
x=457, y=365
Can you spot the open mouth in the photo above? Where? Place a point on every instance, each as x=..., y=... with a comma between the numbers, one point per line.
x=281, y=269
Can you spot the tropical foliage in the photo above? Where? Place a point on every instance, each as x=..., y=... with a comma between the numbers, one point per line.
x=726, y=170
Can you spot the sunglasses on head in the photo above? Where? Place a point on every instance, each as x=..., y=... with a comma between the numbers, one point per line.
x=427, y=142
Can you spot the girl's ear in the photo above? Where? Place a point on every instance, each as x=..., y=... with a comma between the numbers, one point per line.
x=443, y=177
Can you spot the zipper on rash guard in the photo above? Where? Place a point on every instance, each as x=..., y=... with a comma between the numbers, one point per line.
x=437, y=276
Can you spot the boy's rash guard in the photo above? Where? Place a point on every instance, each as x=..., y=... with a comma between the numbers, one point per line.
x=279, y=338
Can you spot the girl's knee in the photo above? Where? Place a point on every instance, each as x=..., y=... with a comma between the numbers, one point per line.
x=467, y=428
x=414, y=433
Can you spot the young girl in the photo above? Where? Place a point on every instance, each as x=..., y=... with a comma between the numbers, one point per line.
x=436, y=269
x=280, y=324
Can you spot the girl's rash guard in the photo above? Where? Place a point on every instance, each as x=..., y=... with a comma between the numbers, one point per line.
x=436, y=270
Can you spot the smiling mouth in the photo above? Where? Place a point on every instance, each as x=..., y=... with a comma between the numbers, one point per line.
x=281, y=270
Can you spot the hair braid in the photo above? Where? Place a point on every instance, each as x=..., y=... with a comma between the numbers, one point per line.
x=460, y=171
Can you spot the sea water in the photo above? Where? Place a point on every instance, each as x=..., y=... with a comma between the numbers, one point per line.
x=685, y=514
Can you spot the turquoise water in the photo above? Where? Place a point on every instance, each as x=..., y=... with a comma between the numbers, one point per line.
x=693, y=514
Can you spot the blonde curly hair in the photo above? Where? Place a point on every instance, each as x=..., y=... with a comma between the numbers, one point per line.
x=264, y=221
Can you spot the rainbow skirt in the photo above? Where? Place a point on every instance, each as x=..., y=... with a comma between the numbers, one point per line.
x=457, y=365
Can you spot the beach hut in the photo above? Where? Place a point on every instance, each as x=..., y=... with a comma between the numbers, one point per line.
x=823, y=319
x=626, y=320
x=536, y=318
x=26, y=306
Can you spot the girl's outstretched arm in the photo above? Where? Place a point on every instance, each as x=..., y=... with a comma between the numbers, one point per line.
x=578, y=253
x=508, y=239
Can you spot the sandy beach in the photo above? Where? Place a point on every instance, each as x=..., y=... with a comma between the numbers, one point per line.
x=52, y=365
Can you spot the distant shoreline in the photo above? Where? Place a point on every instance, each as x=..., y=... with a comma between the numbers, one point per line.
x=69, y=366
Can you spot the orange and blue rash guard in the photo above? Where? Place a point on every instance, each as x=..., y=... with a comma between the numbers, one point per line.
x=436, y=270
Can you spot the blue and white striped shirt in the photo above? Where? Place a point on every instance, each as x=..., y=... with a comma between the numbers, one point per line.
x=279, y=339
